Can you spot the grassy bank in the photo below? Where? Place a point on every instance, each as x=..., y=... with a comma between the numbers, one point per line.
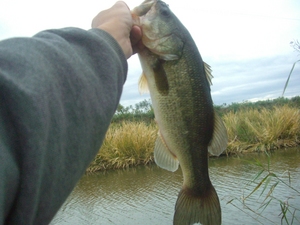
x=249, y=129
x=259, y=130
x=126, y=144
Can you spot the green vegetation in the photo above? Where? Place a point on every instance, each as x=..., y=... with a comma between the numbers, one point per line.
x=126, y=144
x=259, y=105
x=296, y=46
x=266, y=182
x=251, y=127
x=259, y=130
x=142, y=111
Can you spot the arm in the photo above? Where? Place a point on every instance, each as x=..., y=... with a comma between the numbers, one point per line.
x=58, y=93
x=58, y=96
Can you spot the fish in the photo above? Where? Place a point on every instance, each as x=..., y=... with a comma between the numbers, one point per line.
x=189, y=129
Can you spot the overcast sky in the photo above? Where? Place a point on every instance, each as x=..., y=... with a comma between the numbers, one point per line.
x=245, y=42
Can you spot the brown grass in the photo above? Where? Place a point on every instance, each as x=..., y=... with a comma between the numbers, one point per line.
x=260, y=130
x=131, y=143
x=126, y=144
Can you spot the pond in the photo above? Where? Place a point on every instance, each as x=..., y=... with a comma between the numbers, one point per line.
x=147, y=195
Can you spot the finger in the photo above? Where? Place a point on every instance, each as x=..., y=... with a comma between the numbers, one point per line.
x=122, y=3
x=138, y=47
x=135, y=35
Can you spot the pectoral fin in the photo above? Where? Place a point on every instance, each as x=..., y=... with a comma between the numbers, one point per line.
x=161, y=79
x=219, y=141
x=163, y=157
x=143, y=84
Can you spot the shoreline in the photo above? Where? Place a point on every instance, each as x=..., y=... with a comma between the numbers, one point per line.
x=106, y=166
x=129, y=144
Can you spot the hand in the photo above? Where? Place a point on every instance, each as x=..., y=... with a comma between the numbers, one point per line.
x=118, y=22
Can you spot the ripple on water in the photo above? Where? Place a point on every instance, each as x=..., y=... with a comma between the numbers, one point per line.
x=147, y=195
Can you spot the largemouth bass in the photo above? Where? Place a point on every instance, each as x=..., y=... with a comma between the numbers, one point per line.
x=179, y=85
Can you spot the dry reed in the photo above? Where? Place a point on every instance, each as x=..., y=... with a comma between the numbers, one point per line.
x=259, y=130
x=126, y=144
x=131, y=143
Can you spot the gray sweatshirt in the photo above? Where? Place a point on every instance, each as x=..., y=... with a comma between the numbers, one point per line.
x=58, y=93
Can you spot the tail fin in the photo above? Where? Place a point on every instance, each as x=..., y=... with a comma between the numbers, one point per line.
x=192, y=209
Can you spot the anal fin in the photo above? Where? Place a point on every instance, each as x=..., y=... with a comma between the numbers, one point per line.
x=219, y=140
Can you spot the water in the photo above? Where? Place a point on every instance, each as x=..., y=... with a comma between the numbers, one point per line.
x=147, y=195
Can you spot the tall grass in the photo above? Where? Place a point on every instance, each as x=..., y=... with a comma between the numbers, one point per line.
x=259, y=130
x=296, y=46
x=131, y=143
x=266, y=181
x=126, y=144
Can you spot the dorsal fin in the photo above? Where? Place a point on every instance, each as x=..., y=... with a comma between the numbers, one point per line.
x=208, y=71
x=219, y=140
x=143, y=84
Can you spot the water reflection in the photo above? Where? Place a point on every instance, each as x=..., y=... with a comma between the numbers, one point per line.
x=147, y=195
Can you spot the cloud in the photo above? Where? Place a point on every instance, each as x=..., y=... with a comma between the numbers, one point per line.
x=234, y=81
x=245, y=42
x=261, y=78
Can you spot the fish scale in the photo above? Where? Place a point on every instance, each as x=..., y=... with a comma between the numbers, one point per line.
x=179, y=85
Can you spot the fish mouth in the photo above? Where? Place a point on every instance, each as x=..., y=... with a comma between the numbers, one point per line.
x=143, y=8
x=139, y=11
x=163, y=44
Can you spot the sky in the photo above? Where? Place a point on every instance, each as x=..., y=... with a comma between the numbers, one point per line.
x=246, y=43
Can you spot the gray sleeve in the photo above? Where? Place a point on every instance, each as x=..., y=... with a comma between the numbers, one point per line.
x=58, y=93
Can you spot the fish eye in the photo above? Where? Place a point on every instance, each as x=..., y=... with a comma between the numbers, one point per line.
x=165, y=12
